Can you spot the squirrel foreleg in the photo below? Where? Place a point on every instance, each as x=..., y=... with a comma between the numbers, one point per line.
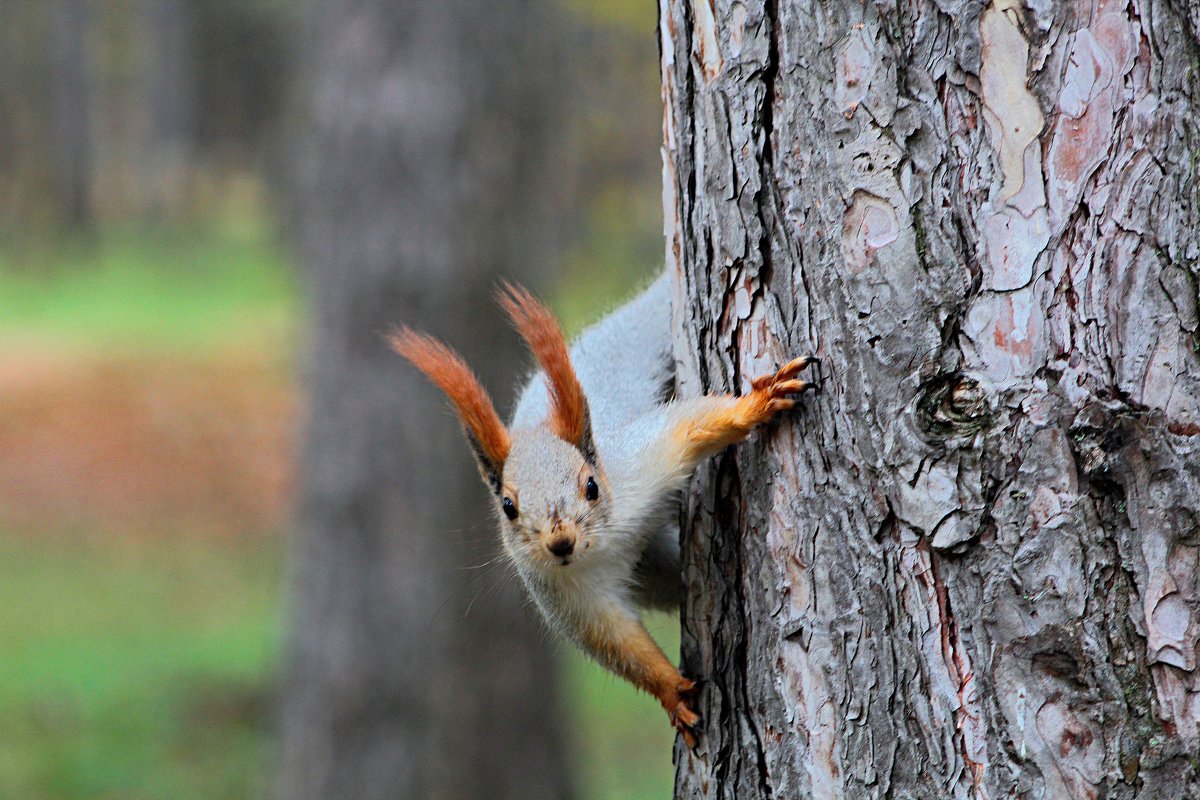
x=712, y=423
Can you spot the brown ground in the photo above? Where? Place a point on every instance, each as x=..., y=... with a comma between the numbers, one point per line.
x=146, y=445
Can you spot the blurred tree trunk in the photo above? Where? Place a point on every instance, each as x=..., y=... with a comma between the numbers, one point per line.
x=413, y=669
x=168, y=32
x=969, y=567
x=71, y=87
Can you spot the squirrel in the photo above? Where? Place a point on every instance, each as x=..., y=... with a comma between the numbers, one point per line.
x=588, y=473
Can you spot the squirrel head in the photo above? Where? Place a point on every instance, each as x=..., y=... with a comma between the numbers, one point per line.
x=551, y=500
x=549, y=486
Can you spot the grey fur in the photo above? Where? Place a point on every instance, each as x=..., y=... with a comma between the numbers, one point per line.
x=624, y=363
x=626, y=367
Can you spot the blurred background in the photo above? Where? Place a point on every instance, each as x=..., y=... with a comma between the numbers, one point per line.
x=243, y=550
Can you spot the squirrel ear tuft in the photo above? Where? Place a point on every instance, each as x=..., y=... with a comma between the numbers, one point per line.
x=447, y=370
x=569, y=419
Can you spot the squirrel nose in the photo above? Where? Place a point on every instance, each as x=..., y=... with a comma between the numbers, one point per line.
x=561, y=548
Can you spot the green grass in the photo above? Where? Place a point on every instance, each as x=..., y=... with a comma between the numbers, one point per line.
x=135, y=669
x=144, y=670
x=149, y=289
x=139, y=668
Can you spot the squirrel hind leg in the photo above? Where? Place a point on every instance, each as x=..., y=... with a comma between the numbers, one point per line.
x=787, y=371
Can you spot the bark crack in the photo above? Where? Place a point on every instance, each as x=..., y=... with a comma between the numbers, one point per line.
x=771, y=211
x=952, y=648
x=767, y=216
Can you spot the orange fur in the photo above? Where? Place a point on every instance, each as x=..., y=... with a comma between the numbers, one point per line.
x=624, y=646
x=537, y=325
x=450, y=373
x=722, y=421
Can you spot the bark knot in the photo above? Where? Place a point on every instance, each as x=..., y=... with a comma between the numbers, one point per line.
x=953, y=406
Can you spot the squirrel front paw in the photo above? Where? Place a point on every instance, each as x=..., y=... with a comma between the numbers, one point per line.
x=678, y=703
x=775, y=393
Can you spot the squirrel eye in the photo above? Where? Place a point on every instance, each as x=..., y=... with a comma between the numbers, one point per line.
x=592, y=491
x=510, y=508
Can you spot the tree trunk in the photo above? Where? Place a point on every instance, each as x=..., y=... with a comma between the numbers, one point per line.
x=968, y=568
x=169, y=103
x=413, y=670
x=71, y=89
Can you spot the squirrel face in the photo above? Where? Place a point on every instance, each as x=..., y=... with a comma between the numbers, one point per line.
x=553, y=501
x=551, y=491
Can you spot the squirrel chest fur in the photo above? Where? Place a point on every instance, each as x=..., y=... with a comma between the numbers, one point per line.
x=587, y=474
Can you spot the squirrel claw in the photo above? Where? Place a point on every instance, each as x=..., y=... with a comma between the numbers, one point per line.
x=777, y=392
x=784, y=375
x=683, y=718
x=685, y=721
x=792, y=368
x=790, y=387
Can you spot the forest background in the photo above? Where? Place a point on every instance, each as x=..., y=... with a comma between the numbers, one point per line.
x=152, y=380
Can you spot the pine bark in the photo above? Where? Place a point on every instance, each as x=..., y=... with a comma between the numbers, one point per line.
x=968, y=568
x=413, y=668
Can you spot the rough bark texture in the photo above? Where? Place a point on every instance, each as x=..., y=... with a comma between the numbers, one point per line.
x=413, y=669
x=969, y=567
